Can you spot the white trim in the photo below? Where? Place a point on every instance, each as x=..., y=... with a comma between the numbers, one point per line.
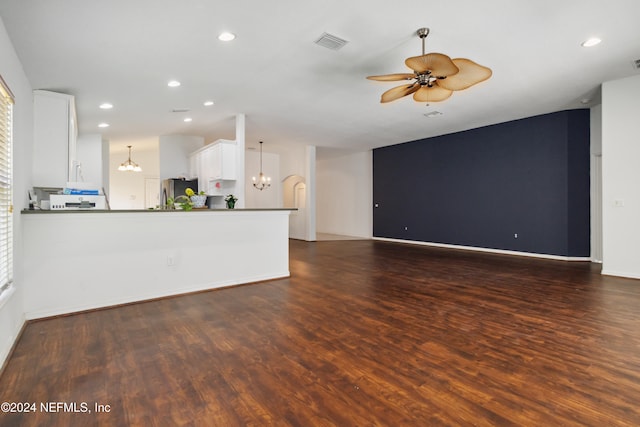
x=495, y=251
x=150, y=296
x=619, y=274
x=596, y=207
x=6, y=295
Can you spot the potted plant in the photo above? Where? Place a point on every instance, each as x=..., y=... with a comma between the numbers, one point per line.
x=231, y=201
x=198, y=200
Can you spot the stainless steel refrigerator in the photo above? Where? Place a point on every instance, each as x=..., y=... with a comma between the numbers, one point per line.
x=174, y=187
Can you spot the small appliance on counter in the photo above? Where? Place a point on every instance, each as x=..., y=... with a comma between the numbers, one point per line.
x=78, y=195
x=75, y=201
x=40, y=197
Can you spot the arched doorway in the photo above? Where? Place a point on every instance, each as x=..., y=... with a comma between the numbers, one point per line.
x=294, y=195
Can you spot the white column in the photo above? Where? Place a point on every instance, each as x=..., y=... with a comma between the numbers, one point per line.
x=240, y=154
x=620, y=177
x=310, y=176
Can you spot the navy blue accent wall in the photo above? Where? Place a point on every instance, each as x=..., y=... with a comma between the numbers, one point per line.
x=480, y=187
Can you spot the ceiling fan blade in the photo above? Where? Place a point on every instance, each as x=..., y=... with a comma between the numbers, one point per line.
x=438, y=63
x=431, y=94
x=393, y=77
x=398, y=92
x=470, y=74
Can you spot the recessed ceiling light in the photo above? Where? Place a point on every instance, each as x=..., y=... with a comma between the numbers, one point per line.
x=103, y=125
x=208, y=103
x=173, y=83
x=226, y=36
x=188, y=119
x=591, y=42
x=106, y=106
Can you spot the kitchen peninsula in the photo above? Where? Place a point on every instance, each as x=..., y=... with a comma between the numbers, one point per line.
x=81, y=260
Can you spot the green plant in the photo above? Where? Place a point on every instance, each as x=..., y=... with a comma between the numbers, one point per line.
x=185, y=203
x=185, y=200
x=231, y=201
x=189, y=192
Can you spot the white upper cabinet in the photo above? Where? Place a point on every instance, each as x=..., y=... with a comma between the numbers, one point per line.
x=221, y=159
x=214, y=163
x=54, y=134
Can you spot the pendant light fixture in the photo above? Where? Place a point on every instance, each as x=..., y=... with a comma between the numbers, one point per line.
x=262, y=181
x=129, y=166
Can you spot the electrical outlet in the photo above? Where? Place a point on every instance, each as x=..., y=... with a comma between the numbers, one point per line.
x=170, y=261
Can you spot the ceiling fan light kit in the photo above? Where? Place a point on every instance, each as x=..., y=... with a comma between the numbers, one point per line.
x=435, y=76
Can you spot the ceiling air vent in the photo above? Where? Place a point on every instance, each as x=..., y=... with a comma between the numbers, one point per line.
x=330, y=41
x=432, y=114
x=636, y=64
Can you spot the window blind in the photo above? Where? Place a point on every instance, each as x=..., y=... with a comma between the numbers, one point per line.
x=6, y=204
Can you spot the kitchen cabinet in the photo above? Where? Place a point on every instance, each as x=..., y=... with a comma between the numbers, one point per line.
x=54, y=133
x=214, y=164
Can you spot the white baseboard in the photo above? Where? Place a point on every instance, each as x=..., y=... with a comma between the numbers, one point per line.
x=138, y=298
x=620, y=274
x=476, y=249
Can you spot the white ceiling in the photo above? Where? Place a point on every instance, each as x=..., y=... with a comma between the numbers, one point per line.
x=296, y=92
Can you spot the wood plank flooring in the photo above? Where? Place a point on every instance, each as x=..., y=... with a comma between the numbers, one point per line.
x=363, y=333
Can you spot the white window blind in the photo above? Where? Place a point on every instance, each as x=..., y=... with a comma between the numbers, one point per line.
x=6, y=204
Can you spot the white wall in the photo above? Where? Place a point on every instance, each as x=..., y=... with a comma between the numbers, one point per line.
x=293, y=161
x=300, y=160
x=270, y=197
x=126, y=257
x=11, y=306
x=344, y=193
x=127, y=189
x=621, y=177
x=174, y=152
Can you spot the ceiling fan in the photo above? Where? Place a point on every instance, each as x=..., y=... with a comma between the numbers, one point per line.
x=435, y=76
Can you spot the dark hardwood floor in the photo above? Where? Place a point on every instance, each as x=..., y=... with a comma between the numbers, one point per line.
x=364, y=333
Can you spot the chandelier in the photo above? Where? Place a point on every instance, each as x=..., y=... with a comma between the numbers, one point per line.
x=129, y=166
x=262, y=181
